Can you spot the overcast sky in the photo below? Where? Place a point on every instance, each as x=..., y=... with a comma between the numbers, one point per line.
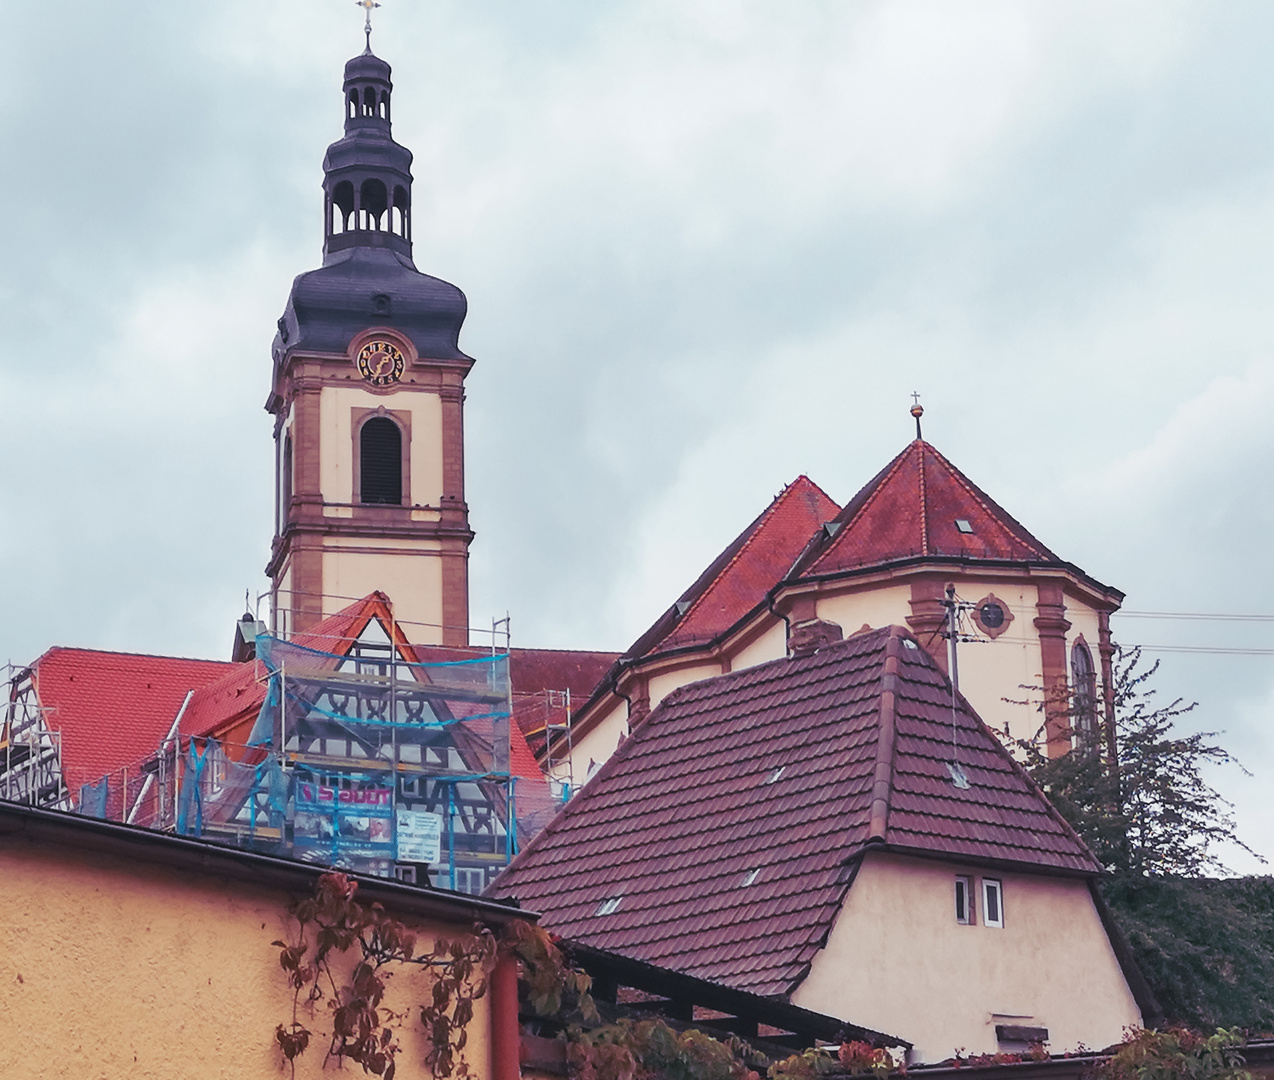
x=708, y=247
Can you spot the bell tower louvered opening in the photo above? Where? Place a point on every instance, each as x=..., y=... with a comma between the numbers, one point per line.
x=380, y=450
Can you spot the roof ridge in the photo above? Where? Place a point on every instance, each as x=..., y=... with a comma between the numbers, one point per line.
x=752, y=532
x=992, y=508
x=924, y=503
x=861, y=500
x=119, y=652
x=886, y=741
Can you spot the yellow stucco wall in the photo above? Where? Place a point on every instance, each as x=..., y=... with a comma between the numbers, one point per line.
x=771, y=645
x=597, y=745
x=109, y=972
x=336, y=405
x=897, y=961
x=413, y=582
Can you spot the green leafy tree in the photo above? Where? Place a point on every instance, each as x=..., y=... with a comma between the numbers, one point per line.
x=1150, y=810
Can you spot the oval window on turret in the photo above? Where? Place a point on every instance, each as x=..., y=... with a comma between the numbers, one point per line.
x=380, y=465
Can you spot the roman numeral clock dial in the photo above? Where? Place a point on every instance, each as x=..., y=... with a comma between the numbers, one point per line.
x=380, y=363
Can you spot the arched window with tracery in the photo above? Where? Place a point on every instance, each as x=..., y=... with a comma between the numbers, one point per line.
x=1084, y=697
x=380, y=462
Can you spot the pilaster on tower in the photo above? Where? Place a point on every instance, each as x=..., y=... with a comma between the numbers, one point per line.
x=368, y=400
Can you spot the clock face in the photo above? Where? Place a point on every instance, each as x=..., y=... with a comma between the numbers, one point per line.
x=380, y=363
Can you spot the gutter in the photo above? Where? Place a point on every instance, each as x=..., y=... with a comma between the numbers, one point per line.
x=131, y=843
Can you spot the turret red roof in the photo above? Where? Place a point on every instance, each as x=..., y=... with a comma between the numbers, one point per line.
x=915, y=507
x=719, y=840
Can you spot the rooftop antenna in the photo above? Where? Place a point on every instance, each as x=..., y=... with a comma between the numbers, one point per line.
x=367, y=5
x=917, y=410
x=958, y=776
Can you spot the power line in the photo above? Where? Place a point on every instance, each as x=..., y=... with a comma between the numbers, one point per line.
x=1206, y=616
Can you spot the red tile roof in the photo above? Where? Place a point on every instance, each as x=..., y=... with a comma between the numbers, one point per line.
x=791, y=769
x=113, y=709
x=737, y=580
x=910, y=509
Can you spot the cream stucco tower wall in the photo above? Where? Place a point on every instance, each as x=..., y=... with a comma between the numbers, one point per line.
x=368, y=399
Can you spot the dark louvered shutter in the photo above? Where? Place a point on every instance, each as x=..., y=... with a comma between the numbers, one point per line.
x=380, y=451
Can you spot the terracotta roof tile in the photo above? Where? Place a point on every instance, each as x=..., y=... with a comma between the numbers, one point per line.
x=738, y=579
x=910, y=509
x=113, y=709
x=694, y=801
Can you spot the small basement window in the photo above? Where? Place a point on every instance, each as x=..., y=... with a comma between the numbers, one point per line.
x=964, y=900
x=609, y=906
x=964, y=525
x=992, y=903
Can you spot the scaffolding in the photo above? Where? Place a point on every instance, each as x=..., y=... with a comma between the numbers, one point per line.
x=30, y=749
x=364, y=761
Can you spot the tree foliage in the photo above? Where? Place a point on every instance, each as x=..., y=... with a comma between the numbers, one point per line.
x=1150, y=811
x=1205, y=945
x=1178, y=1054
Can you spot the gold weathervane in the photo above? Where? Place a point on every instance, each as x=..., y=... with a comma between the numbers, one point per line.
x=367, y=5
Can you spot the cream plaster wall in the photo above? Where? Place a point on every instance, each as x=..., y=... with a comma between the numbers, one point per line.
x=141, y=972
x=415, y=584
x=664, y=684
x=771, y=645
x=882, y=605
x=992, y=669
x=595, y=747
x=336, y=405
x=897, y=961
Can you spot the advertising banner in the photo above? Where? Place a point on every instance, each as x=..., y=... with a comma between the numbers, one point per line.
x=348, y=824
x=419, y=837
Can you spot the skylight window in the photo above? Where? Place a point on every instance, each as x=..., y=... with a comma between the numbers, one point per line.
x=750, y=878
x=609, y=906
x=775, y=775
x=964, y=525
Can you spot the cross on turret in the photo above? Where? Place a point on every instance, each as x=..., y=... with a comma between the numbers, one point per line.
x=367, y=5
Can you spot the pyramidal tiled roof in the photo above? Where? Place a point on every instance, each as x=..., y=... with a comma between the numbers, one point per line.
x=723, y=832
x=910, y=509
x=738, y=579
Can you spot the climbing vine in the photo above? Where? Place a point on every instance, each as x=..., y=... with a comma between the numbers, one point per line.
x=345, y=952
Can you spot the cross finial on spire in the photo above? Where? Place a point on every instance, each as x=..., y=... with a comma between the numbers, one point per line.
x=367, y=5
x=917, y=410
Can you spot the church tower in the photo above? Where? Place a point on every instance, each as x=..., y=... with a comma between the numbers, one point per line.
x=368, y=399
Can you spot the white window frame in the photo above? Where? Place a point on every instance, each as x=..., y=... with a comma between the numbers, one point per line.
x=996, y=886
x=967, y=917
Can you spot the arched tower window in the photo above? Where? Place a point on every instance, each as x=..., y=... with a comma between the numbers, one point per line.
x=369, y=101
x=374, y=201
x=1084, y=699
x=351, y=110
x=380, y=462
x=401, y=211
x=343, y=200
x=285, y=483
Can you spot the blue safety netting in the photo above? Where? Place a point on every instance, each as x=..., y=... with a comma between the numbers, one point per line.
x=367, y=761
